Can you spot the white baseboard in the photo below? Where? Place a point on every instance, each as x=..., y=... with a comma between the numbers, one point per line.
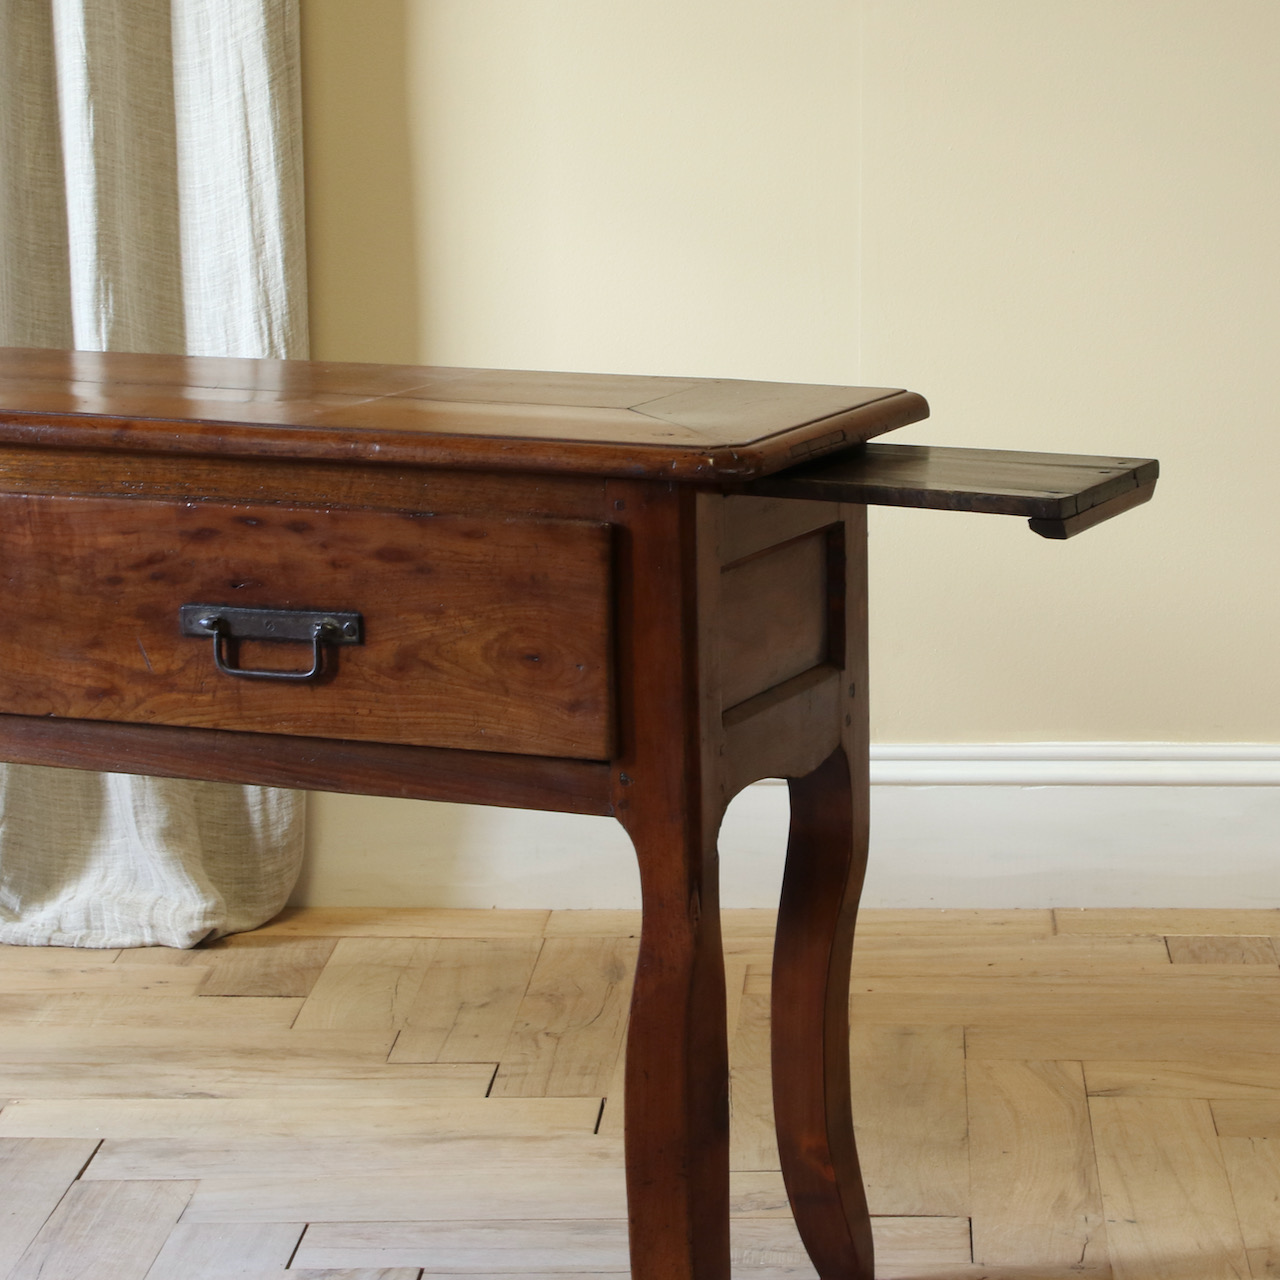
x=1018, y=825
x=1076, y=825
x=1077, y=764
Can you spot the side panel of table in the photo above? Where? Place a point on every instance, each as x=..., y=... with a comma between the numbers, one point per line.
x=717, y=695
x=812, y=729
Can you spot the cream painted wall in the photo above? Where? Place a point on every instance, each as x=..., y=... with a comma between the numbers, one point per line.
x=1069, y=236
x=1057, y=220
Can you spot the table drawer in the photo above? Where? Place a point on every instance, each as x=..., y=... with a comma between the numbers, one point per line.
x=479, y=633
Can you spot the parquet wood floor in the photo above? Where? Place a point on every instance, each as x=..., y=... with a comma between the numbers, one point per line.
x=389, y=1095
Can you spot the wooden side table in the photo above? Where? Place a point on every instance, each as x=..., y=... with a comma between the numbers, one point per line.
x=608, y=595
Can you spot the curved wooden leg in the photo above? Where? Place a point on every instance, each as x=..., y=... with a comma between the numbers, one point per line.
x=677, y=1092
x=826, y=861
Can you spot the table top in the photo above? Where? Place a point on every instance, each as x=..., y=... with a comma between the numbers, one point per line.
x=688, y=429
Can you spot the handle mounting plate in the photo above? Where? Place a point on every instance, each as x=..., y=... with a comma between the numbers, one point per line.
x=227, y=624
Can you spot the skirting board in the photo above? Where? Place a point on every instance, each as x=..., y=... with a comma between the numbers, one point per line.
x=1018, y=825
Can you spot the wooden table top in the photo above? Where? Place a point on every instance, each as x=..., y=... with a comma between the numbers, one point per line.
x=703, y=429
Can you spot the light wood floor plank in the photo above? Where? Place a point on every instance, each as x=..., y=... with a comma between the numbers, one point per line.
x=758, y=1193
x=735, y=923
x=911, y=1119
x=735, y=977
x=613, y=1112
x=273, y=1079
x=522, y=1247
x=925, y=923
x=216, y=1250
x=167, y=957
x=193, y=1118
x=65, y=979
x=752, y=1144
x=244, y=964
x=1186, y=992
x=1169, y=1209
x=12, y=957
x=1035, y=1187
x=248, y=965
x=975, y=1271
x=403, y=922
x=1253, y=1169
x=468, y=1002
x=35, y=1174
x=896, y=955
x=568, y=1033
x=1180, y=921
x=1255, y=1077
x=369, y=984
x=466, y=1193
x=217, y=1044
x=1221, y=950
x=757, y=952
x=132, y=1009
x=905, y=1246
x=755, y=924
x=1138, y=1039
x=612, y=923
x=104, y=1231
x=914, y=1246
x=229, y=1155
x=358, y=1273
x=1169, y=988
x=1247, y=1118
x=414, y=1274
x=599, y=1247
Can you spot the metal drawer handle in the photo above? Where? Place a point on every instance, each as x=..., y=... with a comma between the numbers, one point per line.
x=226, y=623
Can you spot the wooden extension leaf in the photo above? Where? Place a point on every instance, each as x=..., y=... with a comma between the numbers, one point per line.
x=1061, y=494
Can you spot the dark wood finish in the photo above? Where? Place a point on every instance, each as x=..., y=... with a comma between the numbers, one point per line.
x=297, y=482
x=788, y=729
x=813, y=951
x=313, y=764
x=773, y=616
x=1059, y=530
x=1046, y=487
x=549, y=566
x=677, y=1070
x=496, y=420
x=751, y=524
x=479, y=634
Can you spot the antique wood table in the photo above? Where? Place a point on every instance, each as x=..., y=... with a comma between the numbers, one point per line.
x=607, y=595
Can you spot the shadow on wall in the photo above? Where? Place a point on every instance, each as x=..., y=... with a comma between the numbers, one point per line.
x=364, y=851
x=362, y=249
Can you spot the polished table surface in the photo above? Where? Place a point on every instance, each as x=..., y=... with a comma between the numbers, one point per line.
x=614, y=595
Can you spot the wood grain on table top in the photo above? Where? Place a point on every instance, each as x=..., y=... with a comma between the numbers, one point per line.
x=676, y=428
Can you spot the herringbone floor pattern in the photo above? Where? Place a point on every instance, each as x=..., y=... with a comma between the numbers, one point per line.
x=396, y=1094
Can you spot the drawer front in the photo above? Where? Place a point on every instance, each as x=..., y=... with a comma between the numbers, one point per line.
x=479, y=633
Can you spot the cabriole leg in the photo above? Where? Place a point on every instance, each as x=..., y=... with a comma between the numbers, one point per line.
x=826, y=861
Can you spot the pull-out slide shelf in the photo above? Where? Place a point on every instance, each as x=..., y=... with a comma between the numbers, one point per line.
x=1060, y=494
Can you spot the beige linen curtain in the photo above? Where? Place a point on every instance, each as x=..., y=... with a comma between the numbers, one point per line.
x=150, y=200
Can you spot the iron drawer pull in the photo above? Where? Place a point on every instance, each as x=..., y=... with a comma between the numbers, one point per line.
x=226, y=623
x=218, y=627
